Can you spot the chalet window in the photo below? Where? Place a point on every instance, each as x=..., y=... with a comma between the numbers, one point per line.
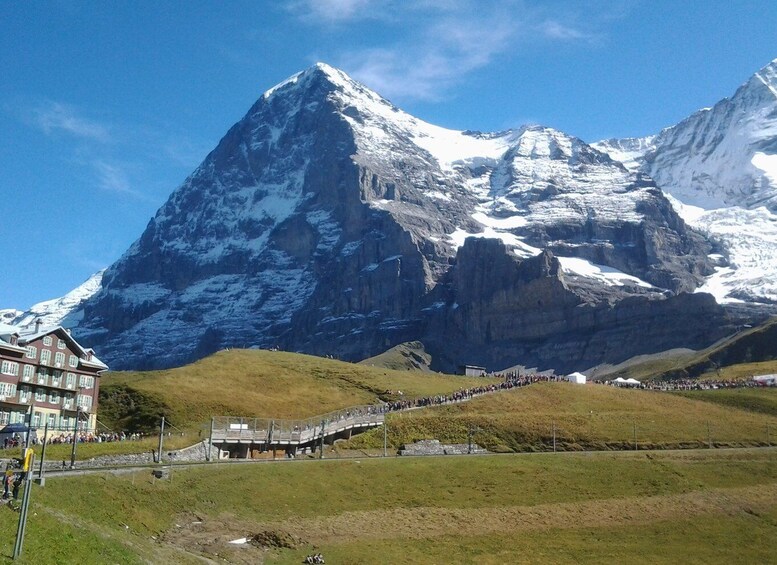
x=54, y=397
x=17, y=417
x=84, y=400
x=32, y=352
x=40, y=395
x=5, y=417
x=59, y=359
x=73, y=361
x=36, y=420
x=47, y=340
x=24, y=394
x=9, y=368
x=56, y=378
x=67, y=402
x=28, y=373
x=51, y=420
x=85, y=381
x=45, y=356
x=7, y=389
x=43, y=376
x=61, y=344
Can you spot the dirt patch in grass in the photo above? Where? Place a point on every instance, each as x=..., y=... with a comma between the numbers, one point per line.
x=211, y=537
x=431, y=522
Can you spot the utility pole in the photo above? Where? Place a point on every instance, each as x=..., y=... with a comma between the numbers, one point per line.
x=43, y=452
x=161, y=437
x=75, y=439
x=210, y=439
x=385, y=435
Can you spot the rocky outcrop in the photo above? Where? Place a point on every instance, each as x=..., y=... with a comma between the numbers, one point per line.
x=498, y=307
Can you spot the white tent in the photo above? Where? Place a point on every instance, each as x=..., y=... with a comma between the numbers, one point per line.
x=577, y=378
x=766, y=380
x=620, y=381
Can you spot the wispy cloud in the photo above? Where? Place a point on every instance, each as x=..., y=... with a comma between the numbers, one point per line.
x=55, y=116
x=439, y=42
x=552, y=29
x=336, y=11
x=112, y=177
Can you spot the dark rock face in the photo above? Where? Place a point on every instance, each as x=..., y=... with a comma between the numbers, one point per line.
x=500, y=308
x=326, y=222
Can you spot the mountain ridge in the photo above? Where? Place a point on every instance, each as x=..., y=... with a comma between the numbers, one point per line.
x=328, y=220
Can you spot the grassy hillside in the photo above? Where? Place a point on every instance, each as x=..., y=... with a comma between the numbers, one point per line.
x=410, y=356
x=750, y=351
x=585, y=417
x=763, y=400
x=256, y=383
x=716, y=506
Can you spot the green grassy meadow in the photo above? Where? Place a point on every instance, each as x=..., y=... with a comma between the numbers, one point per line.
x=652, y=505
x=257, y=383
x=589, y=417
x=704, y=506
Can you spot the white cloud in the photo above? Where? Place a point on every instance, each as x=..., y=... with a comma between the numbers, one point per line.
x=552, y=29
x=442, y=54
x=437, y=43
x=335, y=11
x=56, y=116
x=113, y=178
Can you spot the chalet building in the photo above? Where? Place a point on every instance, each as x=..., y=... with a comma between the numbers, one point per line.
x=47, y=371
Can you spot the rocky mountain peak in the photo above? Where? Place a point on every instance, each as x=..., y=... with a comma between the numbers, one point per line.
x=329, y=221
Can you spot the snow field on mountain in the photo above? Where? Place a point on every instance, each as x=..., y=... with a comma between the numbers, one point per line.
x=602, y=273
x=749, y=239
x=766, y=163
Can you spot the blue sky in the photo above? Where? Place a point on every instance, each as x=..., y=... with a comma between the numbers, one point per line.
x=106, y=107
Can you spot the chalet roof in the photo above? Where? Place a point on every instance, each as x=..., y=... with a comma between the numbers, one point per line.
x=29, y=334
x=6, y=332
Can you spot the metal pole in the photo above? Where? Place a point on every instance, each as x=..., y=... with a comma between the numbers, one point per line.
x=554, y=437
x=17, y=550
x=22, y=529
x=75, y=440
x=210, y=439
x=385, y=435
x=321, y=455
x=43, y=451
x=469, y=440
x=161, y=436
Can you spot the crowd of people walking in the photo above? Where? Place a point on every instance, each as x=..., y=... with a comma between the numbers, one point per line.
x=693, y=384
x=510, y=380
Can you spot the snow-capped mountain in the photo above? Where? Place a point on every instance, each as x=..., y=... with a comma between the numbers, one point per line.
x=329, y=221
x=66, y=311
x=720, y=164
